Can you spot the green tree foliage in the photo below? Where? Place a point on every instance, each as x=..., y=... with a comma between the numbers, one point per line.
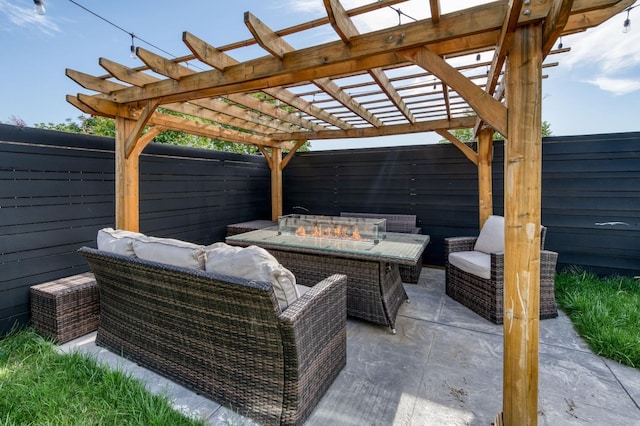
x=103, y=126
x=466, y=135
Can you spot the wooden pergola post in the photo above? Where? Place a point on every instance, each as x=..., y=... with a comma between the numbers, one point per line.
x=127, y=178
x=522, y=201
x=485, y=181
x=276, y=183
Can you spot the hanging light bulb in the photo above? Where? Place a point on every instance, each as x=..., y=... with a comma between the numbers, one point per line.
x=39, y=7
x=627, y=24
x=133, y=47
x=478, y=57
x=560, y=44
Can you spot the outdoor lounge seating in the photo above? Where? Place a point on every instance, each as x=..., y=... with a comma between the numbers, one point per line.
x=475, y=272
x=226, y=338
x=403, y=223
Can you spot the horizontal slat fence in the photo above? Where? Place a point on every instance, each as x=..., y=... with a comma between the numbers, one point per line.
x=57, y=191
x=590, y=194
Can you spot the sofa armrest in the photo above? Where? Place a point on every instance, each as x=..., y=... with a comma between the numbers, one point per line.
x=454, y=244
x=314, y=337
x=319, y=313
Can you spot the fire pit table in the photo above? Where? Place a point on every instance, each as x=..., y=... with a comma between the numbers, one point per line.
x=313, y=247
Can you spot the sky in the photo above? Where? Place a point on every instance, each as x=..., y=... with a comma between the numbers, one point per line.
x=595, y=88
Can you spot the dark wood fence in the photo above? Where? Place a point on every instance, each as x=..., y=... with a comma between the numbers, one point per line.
x=57, y=190
x=590, y=194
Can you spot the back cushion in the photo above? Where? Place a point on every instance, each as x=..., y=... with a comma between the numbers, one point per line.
x=117, y=241
x=491, y=238
x=253, y=263
x=170, y=251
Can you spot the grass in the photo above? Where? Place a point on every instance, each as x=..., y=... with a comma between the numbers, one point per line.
x=605, y=312
x=40, y=386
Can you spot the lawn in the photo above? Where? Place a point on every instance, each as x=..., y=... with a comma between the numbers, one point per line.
x=40, y=386
x=604, y=311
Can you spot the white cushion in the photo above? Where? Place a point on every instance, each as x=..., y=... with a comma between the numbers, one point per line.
x=117, y=241
x=253, y=263
x=473, y=262
x=302, y=289
x=491, y=238
x=170, y=251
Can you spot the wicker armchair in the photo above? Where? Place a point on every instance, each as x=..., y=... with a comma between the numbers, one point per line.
x=225, y=338
x=485, y=296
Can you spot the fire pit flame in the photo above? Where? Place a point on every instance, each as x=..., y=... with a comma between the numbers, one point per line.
x=339, y=232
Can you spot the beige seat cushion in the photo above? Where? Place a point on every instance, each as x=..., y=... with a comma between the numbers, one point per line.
x=253, y=263
x=491, y=238
x=117, y=241
x=473, y=262
x=170, y=251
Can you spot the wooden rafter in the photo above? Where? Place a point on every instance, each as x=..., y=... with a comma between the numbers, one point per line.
x=220, y=60
x=434, y=5
x=481, y=27
x=278, y=47
x=346, y=30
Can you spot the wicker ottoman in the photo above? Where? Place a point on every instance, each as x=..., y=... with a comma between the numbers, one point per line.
x=66, y=308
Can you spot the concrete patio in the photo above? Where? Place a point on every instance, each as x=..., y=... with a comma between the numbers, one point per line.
x=443, y=367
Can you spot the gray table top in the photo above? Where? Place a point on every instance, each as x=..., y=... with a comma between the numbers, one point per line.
x=404, y=249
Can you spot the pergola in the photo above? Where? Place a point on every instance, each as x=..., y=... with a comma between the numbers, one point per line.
x=422, y=76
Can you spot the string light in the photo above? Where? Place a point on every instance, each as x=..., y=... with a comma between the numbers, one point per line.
x=560, y=44
x=133, y=47
x=626, y=27
x=400, y=13
x=133, y=36
x=478, y=57
x=39, y=7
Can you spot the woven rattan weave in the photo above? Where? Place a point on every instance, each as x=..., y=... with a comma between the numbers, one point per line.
x=486, y=296
x=374, y=288
x=405, y=223
x=223, y=337
x=65, y=308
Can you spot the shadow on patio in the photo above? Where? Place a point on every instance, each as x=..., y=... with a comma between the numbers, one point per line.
x=443, y=367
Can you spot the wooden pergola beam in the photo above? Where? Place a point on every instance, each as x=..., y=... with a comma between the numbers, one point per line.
x=110, y=109
x=365, y=52
x=278, y=47
x=214, y=110
x=220, y=60
x=554, y=24
x=484, y=104
x=400, y=129
x=454, y=33
x=468, y=152
x=346, y=29
x=219, y=106
x=165, y=67
x=500, y=54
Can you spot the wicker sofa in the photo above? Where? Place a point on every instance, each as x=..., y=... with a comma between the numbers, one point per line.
x=225, y=338
x=485, y=295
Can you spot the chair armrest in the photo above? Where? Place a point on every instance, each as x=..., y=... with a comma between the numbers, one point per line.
x=454, y=244
x=323, y=306
x=312, y=321
x=314, y=339
x=548, y=260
